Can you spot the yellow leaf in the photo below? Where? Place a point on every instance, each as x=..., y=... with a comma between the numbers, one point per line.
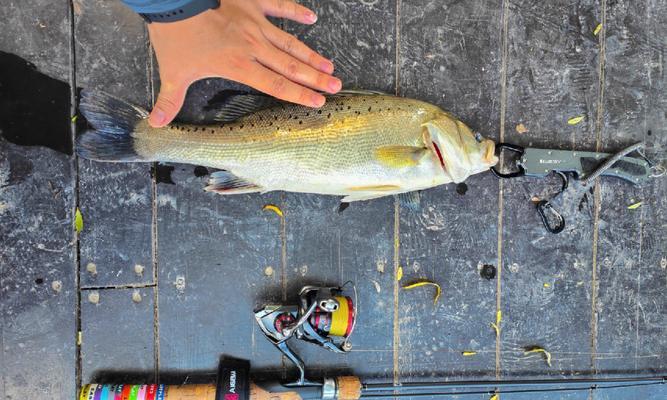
x=78, y=221
x=635, y=206
x=275, y=209
x=575, y=120
x=468, y=353
x=73, y=119
x=521, y=128
x=494, y=397
x=540, y=350
x=495, y=328
x=438, y=290
x=399, y=273
x=597, y=29
x=79, y=338
x=496, y=325
x=547, y=285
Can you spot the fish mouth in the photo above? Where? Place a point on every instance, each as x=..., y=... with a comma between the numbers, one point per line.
x=489, y=153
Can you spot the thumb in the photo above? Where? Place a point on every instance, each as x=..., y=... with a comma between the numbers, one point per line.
x=168, y=104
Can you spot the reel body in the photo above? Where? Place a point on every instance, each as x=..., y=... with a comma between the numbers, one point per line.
x=324, y=316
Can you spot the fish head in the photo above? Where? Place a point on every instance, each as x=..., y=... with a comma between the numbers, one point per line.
x=457, y=148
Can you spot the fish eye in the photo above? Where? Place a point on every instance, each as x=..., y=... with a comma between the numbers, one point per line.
x=479, y=137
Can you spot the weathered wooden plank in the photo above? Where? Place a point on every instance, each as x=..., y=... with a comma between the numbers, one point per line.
x=546, y=278
x=324, y=246
x=115, y=199
x=631, y=321
x=219, y=258
x=450, y=56
x=37, y=253
x=117, y=336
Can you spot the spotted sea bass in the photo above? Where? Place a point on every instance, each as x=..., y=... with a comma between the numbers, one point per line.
x=360, y=145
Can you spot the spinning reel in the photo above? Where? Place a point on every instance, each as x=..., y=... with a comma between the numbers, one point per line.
x=324, y=317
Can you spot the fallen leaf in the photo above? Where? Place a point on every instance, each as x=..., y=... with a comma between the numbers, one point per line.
x=540, y=350
x=494, y=397
x=74, y=118
x=635, y=206
x=275, y=209
x=399, y=273
x=575, y=120
x=438, y=290
x=79, y=338
x=597, y=29
x=547, y=285
x=521, y=128
x=78, y=221
x=496, y=325
x=468, y=353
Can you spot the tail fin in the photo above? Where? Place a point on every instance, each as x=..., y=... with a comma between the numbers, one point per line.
x=113, y=121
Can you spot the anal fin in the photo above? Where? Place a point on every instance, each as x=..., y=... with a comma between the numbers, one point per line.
x=224, y=182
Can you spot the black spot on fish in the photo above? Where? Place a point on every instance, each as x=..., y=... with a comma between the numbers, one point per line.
x=200, y=171
x=369, y=109
x=241, y=127
x=196, y=129
x=34, y=108
x=329, y=116
x=307, y=114
x=231, y=128
x=300, y=122
x=461, y=188
x=319, y=111
x=348, y=107
x=488, y=272
x=649, y=133
x=162, y=174
x=342, y=207
x=270, y=123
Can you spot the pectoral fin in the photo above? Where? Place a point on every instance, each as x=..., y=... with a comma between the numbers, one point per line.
x=224, y=182
x=400, y=156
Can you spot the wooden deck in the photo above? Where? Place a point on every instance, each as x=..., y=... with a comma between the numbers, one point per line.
x=163, y=277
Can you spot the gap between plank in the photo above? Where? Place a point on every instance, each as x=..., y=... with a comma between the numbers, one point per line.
x=596, y=193
x=503, y=112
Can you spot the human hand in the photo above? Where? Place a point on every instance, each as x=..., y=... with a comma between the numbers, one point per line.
x=236, y=41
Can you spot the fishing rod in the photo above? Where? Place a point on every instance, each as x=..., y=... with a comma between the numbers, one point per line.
x=325, y=316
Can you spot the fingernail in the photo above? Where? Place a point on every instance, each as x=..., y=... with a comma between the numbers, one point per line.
x=311, y=17
x=327, y=66
x=317, y=100
x=335, y=85
x=159, y=117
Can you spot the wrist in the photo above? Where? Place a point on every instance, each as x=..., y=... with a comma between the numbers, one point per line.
x=170, y=10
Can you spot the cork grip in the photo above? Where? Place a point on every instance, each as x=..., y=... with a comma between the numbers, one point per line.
x=190, y=392
x=349, y=388
x=257, y=393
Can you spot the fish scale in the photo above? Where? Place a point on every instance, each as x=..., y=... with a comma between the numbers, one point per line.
x=357, y=145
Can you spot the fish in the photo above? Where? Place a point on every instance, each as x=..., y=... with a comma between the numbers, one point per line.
x=360, y=145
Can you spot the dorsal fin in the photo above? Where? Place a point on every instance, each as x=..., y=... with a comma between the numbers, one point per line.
x=230, y=105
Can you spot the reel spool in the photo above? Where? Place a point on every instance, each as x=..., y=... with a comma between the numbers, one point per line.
x=324, y=316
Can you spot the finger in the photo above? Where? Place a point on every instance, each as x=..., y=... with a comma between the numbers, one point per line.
x=288, y=9
x=298, y=72
x=276, y=85
x=168, y=104
x=291, y=45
